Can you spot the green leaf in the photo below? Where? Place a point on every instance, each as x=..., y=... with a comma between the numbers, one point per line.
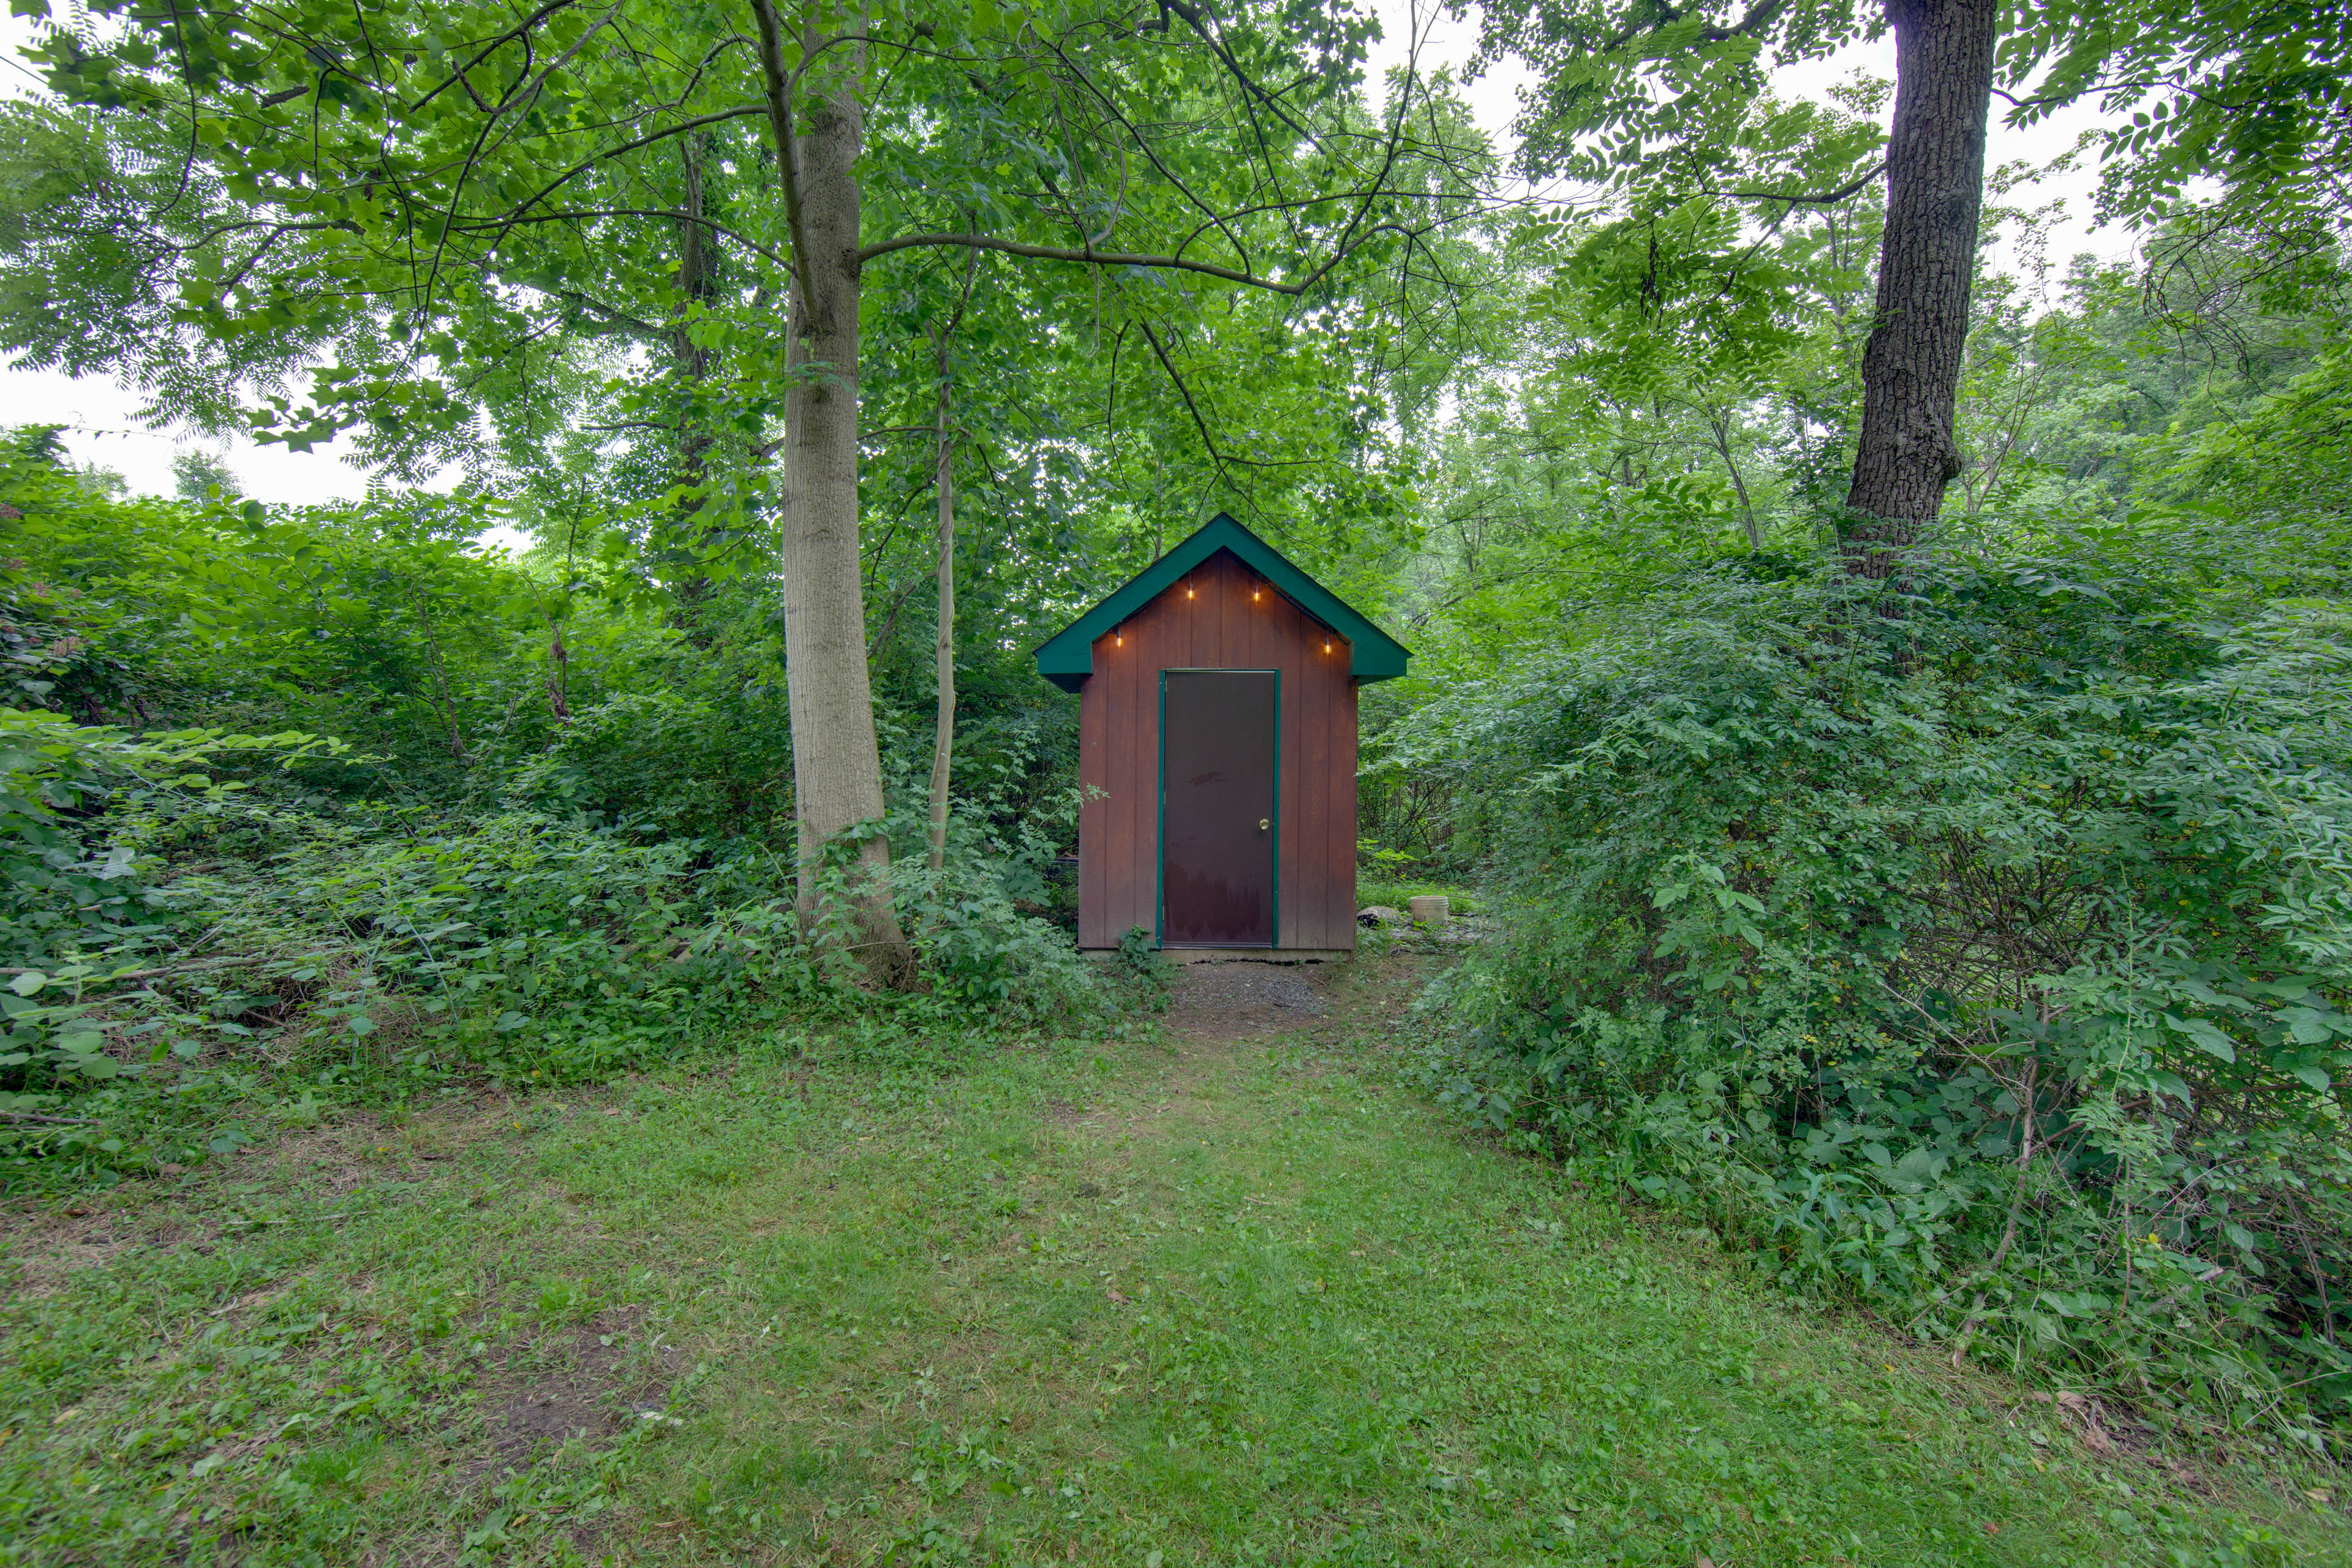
x=2204, y=1037
x=28, y=982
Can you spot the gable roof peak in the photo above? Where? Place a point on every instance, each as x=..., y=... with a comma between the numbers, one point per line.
x=1067, y=657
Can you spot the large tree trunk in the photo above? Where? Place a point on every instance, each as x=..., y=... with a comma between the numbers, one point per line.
x=1935, y=189
x=943, y=732
x=837, y=766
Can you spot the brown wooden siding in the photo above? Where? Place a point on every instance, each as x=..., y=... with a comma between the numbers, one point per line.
x=1218, y=624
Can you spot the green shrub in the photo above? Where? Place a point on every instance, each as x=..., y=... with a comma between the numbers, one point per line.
x=1982, y=955
x=382, y=954
x=563, y=849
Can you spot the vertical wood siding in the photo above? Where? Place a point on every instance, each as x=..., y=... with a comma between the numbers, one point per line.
x=1218, y=626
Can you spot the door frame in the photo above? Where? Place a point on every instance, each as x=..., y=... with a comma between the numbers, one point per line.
x=1160, y=789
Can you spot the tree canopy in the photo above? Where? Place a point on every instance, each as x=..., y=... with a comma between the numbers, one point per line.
x=1886, y=710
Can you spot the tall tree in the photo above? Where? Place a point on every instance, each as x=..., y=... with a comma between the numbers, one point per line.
x=1660, y=99
x=398, y=159
x=1643, y=93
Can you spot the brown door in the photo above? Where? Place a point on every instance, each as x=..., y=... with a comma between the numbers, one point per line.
x=1217, y=806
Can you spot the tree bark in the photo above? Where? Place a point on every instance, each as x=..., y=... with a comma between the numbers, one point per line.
x=1935, y=191
x=836, y=764
x=943, y=731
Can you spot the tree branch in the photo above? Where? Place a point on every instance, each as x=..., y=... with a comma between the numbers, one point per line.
x=780, y=115
x=1761, y=15
x=1220, y=457
x=682, y=126
x=1185, y=393
x=519, y=29
x=1143, y=145
x=1826, y=198
x=1250, y=89
x=1086, y=255
x=670, y=213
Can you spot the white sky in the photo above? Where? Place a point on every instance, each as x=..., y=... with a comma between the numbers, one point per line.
x=1494, y=100
x=100, y=413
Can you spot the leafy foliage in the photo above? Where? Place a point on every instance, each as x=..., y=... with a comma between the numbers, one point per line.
x=1988, y=961
x=1978, y=952
x=505, y=872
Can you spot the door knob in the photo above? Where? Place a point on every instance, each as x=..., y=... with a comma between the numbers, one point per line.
x=1264, y=823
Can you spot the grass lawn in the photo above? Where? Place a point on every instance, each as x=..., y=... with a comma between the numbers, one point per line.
x=1226, y=1294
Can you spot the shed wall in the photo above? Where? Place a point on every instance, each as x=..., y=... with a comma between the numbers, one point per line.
x=1218, y=626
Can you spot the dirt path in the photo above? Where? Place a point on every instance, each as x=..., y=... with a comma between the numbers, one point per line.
x=1229, y=1002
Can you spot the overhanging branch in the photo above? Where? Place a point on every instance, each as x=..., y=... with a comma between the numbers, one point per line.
x=1185, y=393
x=780, y=116
x=1846, y=192
x=1086, y=255
x=672, y=214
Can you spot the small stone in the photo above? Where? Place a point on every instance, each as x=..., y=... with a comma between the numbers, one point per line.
x=1379, y=915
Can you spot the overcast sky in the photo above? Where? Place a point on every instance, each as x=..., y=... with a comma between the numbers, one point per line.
x=99, y=414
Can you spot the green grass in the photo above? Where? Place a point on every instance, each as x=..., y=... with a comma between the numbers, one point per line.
x=1159, y=1303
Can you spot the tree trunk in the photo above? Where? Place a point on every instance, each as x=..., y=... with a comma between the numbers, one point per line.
x=1719, y=421
x=1935, y=189
x=943, y=731
x=697, y=285
x=836, y=764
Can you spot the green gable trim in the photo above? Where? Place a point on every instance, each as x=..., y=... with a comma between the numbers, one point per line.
x=1067, y=657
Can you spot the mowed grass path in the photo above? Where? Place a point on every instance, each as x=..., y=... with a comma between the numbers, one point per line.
x=1230, y=1295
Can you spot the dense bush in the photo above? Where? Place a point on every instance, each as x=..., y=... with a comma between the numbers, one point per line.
x=485, y=826
x=208, y=964
x=1979, y=950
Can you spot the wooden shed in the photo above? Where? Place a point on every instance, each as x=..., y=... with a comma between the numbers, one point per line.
x=1217, y=744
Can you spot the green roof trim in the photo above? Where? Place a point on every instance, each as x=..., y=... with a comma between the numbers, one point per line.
x=1067, y=657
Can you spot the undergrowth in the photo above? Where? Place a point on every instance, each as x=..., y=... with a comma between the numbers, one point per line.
x=214, y=967
x=1979, y=954
x=310, y=808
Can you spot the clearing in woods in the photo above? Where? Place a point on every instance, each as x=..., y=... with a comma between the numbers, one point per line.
x=1229, y=1293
